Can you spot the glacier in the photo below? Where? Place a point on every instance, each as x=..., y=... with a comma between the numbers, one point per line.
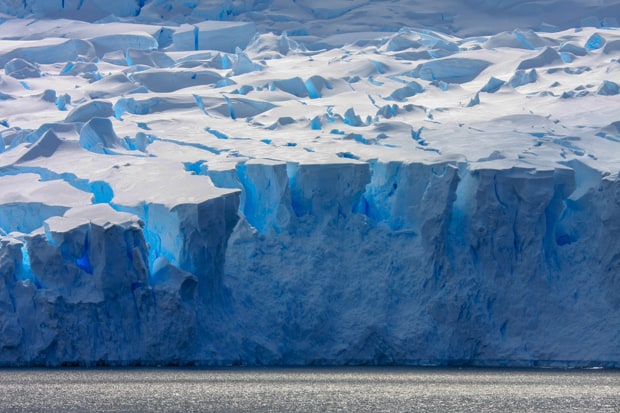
x=238, y=183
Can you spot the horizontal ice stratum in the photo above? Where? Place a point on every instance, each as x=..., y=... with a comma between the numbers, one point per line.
x=283, y=182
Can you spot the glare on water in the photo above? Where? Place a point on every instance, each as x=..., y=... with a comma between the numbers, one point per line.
x=310, y=390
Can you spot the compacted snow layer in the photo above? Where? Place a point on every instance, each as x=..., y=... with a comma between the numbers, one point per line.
x=182, y=190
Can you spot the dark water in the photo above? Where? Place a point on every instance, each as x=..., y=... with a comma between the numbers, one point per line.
x=309, y=390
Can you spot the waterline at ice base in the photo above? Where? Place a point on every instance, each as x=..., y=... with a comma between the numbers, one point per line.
x=289, y=182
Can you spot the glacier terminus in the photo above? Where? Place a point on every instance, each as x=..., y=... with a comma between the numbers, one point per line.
x=287, y=182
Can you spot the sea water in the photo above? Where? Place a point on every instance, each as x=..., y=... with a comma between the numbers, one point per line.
x=309, y=390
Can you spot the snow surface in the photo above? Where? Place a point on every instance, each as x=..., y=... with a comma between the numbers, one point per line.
x=326, y=182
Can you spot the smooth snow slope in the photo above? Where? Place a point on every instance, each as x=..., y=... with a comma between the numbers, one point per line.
x=353, y=182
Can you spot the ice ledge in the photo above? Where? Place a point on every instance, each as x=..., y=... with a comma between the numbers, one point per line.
x=426, y=263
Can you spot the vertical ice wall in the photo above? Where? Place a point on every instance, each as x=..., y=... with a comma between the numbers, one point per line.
x=80, y=289
x=350, y=262
x=407, y=262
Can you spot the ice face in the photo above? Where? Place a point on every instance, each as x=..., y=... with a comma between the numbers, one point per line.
x=178, y=185
x=214, y=35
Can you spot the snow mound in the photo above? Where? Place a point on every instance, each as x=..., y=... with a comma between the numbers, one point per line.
x=451, y=70
x=546, y=57
x=45, y=147
x=163, y=80
x=89, y=110
x=21, y=69
x=46, y=51
x=97, y=135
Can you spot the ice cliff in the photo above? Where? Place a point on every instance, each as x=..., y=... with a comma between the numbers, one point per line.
x=175, y=190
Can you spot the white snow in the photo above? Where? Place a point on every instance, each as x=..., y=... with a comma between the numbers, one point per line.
x=286, y=182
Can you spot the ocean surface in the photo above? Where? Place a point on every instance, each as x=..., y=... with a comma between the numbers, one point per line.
x=309, y=390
